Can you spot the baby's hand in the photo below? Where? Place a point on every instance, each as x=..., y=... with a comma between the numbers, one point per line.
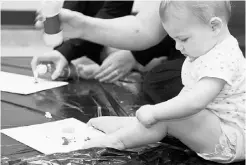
x=145, y=116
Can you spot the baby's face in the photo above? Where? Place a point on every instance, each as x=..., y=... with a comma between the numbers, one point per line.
x=193, y=38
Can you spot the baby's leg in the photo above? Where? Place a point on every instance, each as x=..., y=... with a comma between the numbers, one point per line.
x=200, y=132
x=123, y=132
x=136, y=135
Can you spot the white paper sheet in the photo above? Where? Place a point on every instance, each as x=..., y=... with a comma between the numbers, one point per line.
x=48, y=137
x=22, y=84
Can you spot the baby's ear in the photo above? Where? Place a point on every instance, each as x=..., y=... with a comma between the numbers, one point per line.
x=216, y=24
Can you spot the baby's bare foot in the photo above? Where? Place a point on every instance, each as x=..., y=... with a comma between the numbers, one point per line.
x=115, y=143
x=105, y=141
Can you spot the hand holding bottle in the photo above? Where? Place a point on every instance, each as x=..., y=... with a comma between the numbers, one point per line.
x=54, y=57
x=72, y=23
x=53, y=65
x=52, y=25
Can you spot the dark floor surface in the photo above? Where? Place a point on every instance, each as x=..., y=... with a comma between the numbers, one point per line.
x=79, y=99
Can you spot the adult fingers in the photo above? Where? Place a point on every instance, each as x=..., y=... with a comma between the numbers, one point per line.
x=39, y=20
x=39, y=24
x=67, y=14
x=39, y=17
x=58, y=71
x=109, y=76
x=34, y=63
x=119, y=76
x=38, y=59
x=105, y=65
x=56, y=74
x=80, y=70
x=104, y=72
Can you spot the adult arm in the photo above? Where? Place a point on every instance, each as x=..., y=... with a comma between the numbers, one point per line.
x=130, y=32
x=75, y=48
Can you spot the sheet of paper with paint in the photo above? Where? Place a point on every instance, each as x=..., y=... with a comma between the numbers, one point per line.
x=54, y=137
x=22, y=84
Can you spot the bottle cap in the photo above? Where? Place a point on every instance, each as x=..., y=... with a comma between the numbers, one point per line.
x=50, y=8
x=42, y=69
x=53, y=39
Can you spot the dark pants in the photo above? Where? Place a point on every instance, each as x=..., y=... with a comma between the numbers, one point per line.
x=164, y=81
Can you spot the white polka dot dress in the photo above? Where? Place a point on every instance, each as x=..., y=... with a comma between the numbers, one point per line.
x=225, y=61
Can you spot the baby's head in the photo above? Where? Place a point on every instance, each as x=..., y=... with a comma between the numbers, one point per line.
x=196, y=26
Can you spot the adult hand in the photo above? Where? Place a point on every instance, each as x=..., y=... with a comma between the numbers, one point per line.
x=71, y=22
x=55, y=57
x=146, y=116
x=116, y=66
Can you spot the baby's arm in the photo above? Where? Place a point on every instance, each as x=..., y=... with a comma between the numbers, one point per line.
x=183, y=105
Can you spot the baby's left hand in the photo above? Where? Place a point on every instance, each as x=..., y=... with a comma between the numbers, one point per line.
x=146, y=116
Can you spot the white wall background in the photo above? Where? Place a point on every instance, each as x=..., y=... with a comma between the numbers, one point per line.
x=20, y=5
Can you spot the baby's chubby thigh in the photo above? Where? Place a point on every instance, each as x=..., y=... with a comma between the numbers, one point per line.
x=200, y=132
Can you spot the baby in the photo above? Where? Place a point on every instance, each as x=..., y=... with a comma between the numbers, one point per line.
x=208, y=115
x=212, y=102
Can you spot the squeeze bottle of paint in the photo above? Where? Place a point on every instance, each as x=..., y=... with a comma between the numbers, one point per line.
x=50, y=10
x=45, y=71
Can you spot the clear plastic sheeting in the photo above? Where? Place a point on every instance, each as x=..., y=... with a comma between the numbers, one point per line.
x=156, y=154
x=152, y=154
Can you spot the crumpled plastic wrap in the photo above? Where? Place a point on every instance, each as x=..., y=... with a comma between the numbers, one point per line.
x=151, y=154
x=155, y=154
